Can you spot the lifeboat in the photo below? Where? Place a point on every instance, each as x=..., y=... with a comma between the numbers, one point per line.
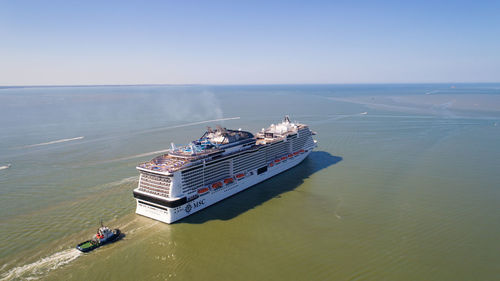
x=202, y=190
x=301, y=151
x=283, y=158
x=217, y=185
x=277, y=161
x=228, y=180
x=290, y=155
x=296, y=153
x=271, y=164
x=240, y=176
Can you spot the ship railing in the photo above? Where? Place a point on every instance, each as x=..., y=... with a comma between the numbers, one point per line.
x=155, y=186
x=154, y=192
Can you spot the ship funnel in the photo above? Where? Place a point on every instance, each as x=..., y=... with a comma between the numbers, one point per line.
x=287, y=119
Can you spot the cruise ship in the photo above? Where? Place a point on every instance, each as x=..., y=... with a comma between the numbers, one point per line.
x=221, y=163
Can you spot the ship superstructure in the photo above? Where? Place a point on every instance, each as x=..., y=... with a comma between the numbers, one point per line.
x=219, y=164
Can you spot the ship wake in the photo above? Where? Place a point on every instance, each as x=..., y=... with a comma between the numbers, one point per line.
x=53, y=142
x=187, y=125
x=41, y=267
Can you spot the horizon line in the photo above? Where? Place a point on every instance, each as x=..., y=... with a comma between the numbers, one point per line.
x=242, y=84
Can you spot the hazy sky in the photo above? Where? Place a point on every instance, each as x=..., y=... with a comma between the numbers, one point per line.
x=248, y=42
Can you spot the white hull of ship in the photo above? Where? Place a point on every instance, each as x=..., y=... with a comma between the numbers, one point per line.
x=170, y=215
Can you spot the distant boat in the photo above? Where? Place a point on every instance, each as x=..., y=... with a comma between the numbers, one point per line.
x=364, y=113
x=5, y=167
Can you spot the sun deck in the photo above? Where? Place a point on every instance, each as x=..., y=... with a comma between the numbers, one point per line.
x=215, y=142
x=167, y=163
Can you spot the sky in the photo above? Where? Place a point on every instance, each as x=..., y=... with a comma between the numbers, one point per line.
x=248, y=42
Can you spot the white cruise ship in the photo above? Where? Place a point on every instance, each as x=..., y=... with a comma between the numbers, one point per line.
x=221, y=163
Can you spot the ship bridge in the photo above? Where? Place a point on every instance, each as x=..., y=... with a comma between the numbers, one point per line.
x=280, y=131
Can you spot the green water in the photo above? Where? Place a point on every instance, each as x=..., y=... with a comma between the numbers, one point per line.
x=404, y=185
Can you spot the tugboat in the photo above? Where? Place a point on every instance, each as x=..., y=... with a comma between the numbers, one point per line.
x=104, y=235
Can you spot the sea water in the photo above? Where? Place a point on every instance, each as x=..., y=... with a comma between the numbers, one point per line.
x=404, y=184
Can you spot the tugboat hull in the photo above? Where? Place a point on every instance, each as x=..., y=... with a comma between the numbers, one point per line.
x=90, y=245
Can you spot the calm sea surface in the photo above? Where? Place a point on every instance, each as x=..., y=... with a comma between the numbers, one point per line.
x=404, y=185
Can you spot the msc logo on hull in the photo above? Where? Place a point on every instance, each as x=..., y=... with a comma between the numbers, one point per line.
x=199, y=203
x=196, y=204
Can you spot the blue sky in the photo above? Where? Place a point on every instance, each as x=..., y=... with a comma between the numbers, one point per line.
x=248, y=42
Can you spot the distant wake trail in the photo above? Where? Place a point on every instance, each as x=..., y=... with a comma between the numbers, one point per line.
x=162, y=129
x=188, y=124
x=137, y=156
x=53, y=142
x=140, y=132
x=41, y=267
